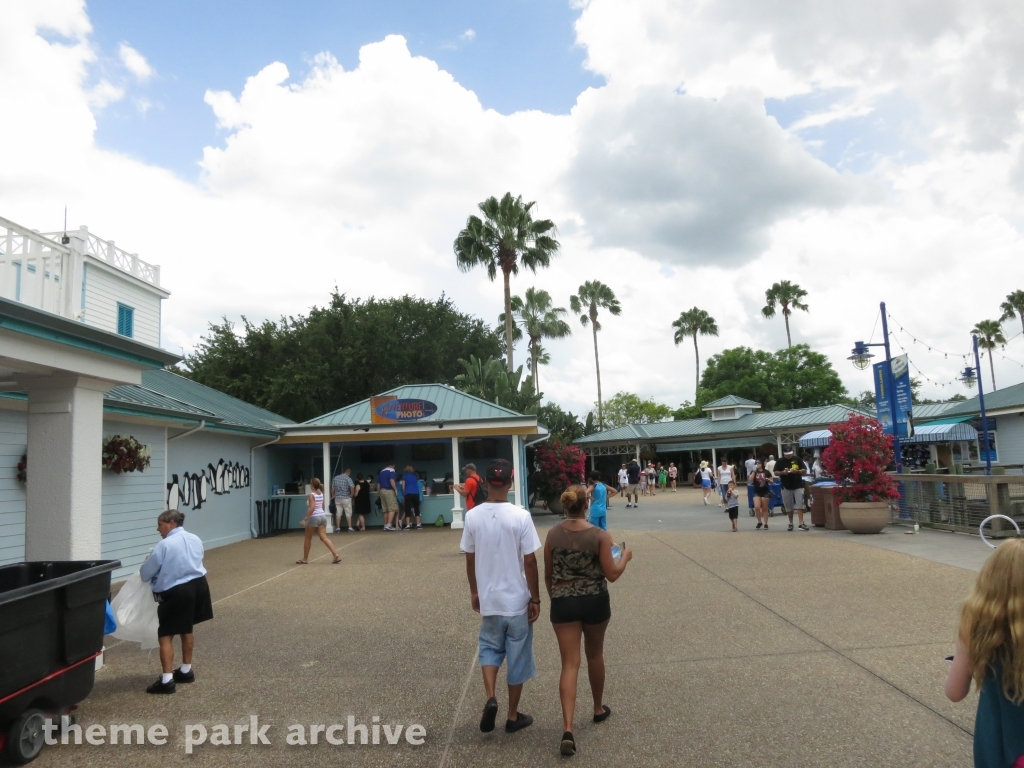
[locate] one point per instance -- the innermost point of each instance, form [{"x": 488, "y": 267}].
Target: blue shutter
[{"x": 125, "y": 320}]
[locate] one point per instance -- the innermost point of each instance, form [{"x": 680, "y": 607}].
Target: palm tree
[
  {"x": 989, "y": 333},
  {"x": 504, "y": 238},
  {"x": 691, "y": 323},
  {"x": 538, "y": 319},
  {"x": 1013, "y": 307},
  {"x": 590, "y": 297},
  {"x": 786, "y": 295}
]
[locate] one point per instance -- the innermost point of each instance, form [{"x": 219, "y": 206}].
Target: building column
[
  {"x": 520, "y": 484},
  {"x": 714, "y": 458},
  {"x": 638, "y": 454},
  {"x": 457, "y": 500},
  {"x": 63, "y": 518},
  {"x": 327, "y": 486},
  {"x": 778, "y": 446}
]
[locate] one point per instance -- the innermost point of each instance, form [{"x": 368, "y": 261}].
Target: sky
[{"x": 690, "y": 154}]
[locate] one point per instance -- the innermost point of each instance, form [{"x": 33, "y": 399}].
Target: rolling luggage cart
[{"x": 51, "y": 631}]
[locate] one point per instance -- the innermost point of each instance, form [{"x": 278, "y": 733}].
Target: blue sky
[{"x": 521, "y": 55}]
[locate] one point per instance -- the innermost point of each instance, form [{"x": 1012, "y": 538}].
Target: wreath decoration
[{"x": 123, "y": 453}]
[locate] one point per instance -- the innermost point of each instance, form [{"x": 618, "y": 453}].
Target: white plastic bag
[{"x": 135, "y": 611}]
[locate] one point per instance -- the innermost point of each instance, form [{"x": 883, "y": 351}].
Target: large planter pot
[
  {"x": 555, "y": 505},
  {"x": 864, "y": 516}
]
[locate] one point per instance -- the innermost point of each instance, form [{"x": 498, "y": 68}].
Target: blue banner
[{"x": 892, "y": 381}]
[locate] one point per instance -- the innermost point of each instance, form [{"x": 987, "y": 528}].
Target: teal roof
[
  {"x": 1009, "y": 398},
  {"x": 452, "y": 405},
  {"x": 762, "y": 421},
  {"x": 730, "y": 401},
  {"x": 932, "y": 410}
]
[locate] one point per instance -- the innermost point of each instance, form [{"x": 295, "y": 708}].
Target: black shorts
[
  {"x": 589, "y": 609},
  {"x": 412, "y": 504},
  {"x": 734, "y": 513},
  {"x": 762, "y": 494},
  {"x": 183, "y": 606}
]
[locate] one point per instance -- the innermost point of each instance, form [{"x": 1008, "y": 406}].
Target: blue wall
[{"x": 13, "y": 441}]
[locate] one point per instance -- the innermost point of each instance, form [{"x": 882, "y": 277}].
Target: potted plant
[
  {"x": 123, "y": 453},
  {"x": 558, "y": 466},
  {"x": 857, "y": 458}
]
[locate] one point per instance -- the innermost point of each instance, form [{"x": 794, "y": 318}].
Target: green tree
[
  {"x": 1013, "y": 307},
  {"x": 591, "y": 297},
  {"x": 564, "y": 426},
  {"x": 303, "y": 366},
  {"x": 628, "y": 408},
  {"x": 506, "y": 237},
  {"x": 694, "y": 322},
  {"x": 488, "y": 380},
  {"x": 786, "y": 296},
  {"x": 989, "y": 333},
  {"x": 789, "y": 378},
  {"x": 537, "y": 318}
]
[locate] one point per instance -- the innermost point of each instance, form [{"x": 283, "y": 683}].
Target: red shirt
[{"x": 471, "y": 486}]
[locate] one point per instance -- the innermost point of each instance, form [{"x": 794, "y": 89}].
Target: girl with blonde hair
[
  {"x": 316, "y": 521},
  {"x": 990, "y": 651},
  {"x": 578, "y": 564}
]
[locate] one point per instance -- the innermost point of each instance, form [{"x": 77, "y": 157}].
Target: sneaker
[
  {"x": 522, "y": 721},
  {"x": 184, "y": 677},
  {"x": 759, "y": 526},
  {"x": 490, "y": 712},
  {"x": 390, "y": 528},
  {"x": 804, "y": 527},
  {"x": 790, "y": 528},
  {"x": 161, "y": 687},
  {"x": 351, "y": 530},
  {"x": 419, "y": 527}
]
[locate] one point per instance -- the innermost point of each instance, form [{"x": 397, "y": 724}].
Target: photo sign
[
  {"x": 390, "y": 409},
  {"x": 892, "y": 379}
]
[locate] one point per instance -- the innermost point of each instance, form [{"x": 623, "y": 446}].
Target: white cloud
[
  {"x": 361, "y": 179},
  {"x": 469, "y": 35},
  {"x": 135, "y": 62}
]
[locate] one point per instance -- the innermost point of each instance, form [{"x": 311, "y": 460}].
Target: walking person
[
  {"x": 633, "y": 473},
  {"x": 732, "y": 504},
  {"x": 769, "y": 466},
  {"x": 411, "y": 489},
  {"x": 387, "y": 490},
  {"x": 749, "y": 466},
  {"x": 500, "y": 543},
  {"x": 673, "y": 475},
  {"x": 990, "y": 651},
  {"x": 361, "y": 501},
  {"x": 705, "y": 479},
  {"x": 315, "y": 521},
  {"x": 790, "y": 472},
  {"x": 724, "y": 475},
  {"x": 175, "y": 572},
  {"x": 599, "y": 493},
  {"x": 762, "y": 483},
  {"x": 624, "y": 482},
  {"x": 578, "y": 564},
  {"x": 341, "y": 494},
  {"x": 472, "y": 489}
]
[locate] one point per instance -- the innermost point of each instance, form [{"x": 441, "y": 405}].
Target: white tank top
[
  {"x": 725, "y": 474},
  {"x": 318, "y": 503}
]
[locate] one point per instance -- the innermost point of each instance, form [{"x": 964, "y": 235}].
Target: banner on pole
[{"x": 892, "y": 381}]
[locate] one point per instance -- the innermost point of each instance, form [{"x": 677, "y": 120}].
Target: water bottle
[{"x": 616, "y": 551}]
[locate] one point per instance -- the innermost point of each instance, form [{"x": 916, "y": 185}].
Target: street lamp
[
  {"x": 968, "y": 377},
  {"x": 861, "y": 358},
  {"x": 976, "y": 376}
]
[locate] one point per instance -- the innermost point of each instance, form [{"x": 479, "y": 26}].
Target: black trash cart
[{"x": 51, "y": 631}]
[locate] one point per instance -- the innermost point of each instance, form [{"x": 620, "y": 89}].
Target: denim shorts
[{"x": 511, "y": 636}]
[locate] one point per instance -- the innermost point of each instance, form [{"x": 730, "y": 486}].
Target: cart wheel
[
  {"x": 25, "y": 738},
  {"x": 751, "y": 513}
]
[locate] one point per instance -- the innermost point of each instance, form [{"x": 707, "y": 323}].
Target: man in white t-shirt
[
  {"x": 750, "y": 465},
  {"x": 504, "y": 589},
  {"x": 623, "y": 479}
]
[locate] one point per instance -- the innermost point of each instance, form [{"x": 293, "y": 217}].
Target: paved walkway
[{"x": 724, "y": 650}]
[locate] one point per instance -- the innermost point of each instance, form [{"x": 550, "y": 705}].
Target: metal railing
[{"x": 958, "y": 502}]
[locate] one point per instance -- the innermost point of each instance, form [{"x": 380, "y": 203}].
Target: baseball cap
[
  {"x": 468, "y": 467},
  {"x": 499, "y": 472},
  {"x": 787, "y": 451}
]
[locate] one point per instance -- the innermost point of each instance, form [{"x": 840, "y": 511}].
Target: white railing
[
  {"x": 34, "y": 270},
  {"x": 107, "y": 252}
]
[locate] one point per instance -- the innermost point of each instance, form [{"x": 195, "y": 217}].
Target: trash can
[
  {"x": 825, "y": 507},
  {"x": 51, "y": 630}
]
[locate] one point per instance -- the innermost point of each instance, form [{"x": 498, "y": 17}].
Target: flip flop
[
  {"x": 604, "y": 715},
  {"x": 302, "y": 562},
  {"x": 335, "y": 561},
  {"x": 568, "y": 747}
]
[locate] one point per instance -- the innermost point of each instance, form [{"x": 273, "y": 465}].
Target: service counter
[{"x": 430, "y": 507}]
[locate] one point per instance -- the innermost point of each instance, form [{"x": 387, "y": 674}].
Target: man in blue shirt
[
  {"x": 599, "y": 493},
  {"x": 175, "y": 572},
  {"x": 387, "y": 488}
]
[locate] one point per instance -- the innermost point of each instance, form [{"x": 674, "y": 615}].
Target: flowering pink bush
[
  {"x": 123, "y": 453},
  {"x": 857, "y": 458},
  {"x": 558, "y": 466}
]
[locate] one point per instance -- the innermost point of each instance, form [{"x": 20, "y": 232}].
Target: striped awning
[
  {"x": 942, "y": 433},
  {"x": 817, "y": 439}
]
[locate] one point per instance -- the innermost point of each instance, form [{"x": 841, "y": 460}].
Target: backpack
[
  {"x": 480, "y": 495},
  {"x": 439, "y": 522}
]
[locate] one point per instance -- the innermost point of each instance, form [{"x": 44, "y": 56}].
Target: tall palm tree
[
  {"x": 591, "y": 297},
  {"x": 989, "y": 333},
  {"x": 787, "y": 296},
  {"x": 506, "y": 237},
  {"x": 1013, "y": 307},
  {"x": 694, "y": 322},
  {"x": 537, "y": 318}
]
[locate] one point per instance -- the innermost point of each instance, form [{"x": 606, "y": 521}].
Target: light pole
[
  {"x": 861, "y": 358},
  {"x": 968, "y": 377}
]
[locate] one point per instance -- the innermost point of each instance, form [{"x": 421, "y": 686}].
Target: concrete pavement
[{"x": 724, "y": 649}]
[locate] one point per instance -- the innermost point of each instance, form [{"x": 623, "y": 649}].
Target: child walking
[
  {"x": 990, "y": 651},
  {"x": 732, "y": 505}
]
